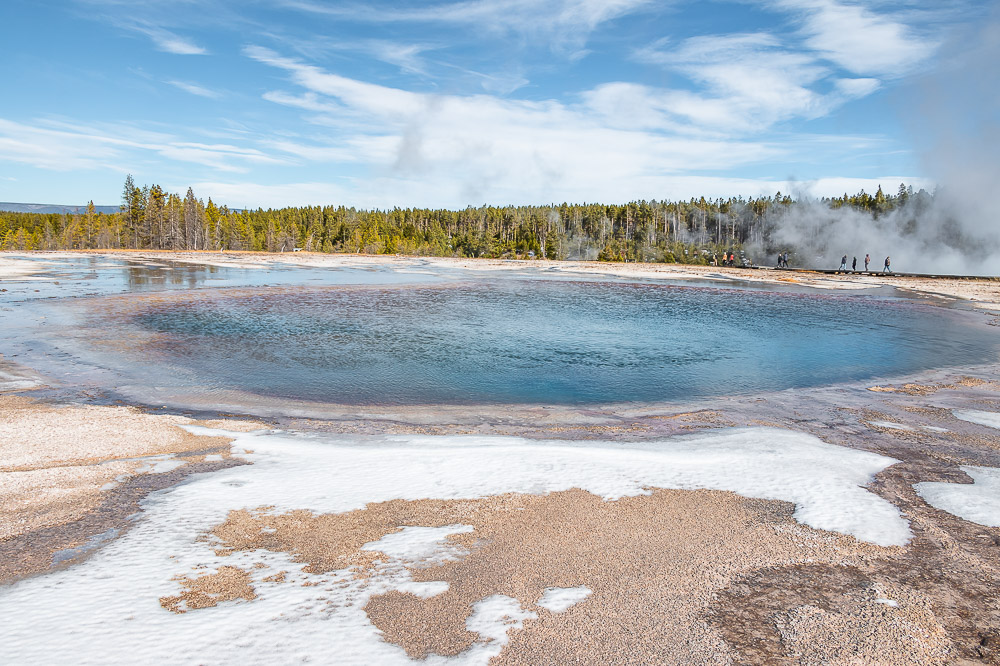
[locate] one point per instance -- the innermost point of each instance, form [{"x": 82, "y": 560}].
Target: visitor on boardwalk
[
  {"x": 886, "y": 268},
  {"x": 867, "y": 259},
  {"x": 843, "y": 263},
  {"x": 854, "y": 265},
  {"x": 785, "y": 259}
]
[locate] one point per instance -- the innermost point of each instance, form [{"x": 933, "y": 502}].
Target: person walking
[
  {"x": 784, "y": 259},
  {"x": 854, "y": 265},
  {"x": 843, "y": 264},
  {"x": 886, "y": 268},
  {"x": 867, "y": 259}
]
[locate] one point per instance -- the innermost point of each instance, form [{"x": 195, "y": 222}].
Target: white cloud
[
  {"x": 858, "y": 39},
  {"x": 224, "y": 157},
  {"x": 620, "y": 140},
  {"x": 520, "y": 15},
  {"x": 405, "y": 56},
  {"x": 858, "y": 87},
  {"x": 169, "y": 42},
  {"x": 314, "y": 152},
  {"x": 749, "y": 82},
  {"x": 365, "y": 97},
  {"x": 54, "y": 149},
  {"x": 456, "y": 150},
  {"x": 501, "y": 83},
  {"x": 308, "y": 101},
  {"x": 565, "y": 24},
  {"x": 195, "y": 89},
  {"x": 61, "y": 146}
]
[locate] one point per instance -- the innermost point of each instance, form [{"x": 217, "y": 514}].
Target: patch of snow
[
  {"x": 977, "y": 502},
  {"x": 428, "y": 545},
  {"x": 933, "y": 428},
  {"x": 559, "y": 599},
  {"x": 104, "y": 610},
  {"x": 989, "y": 419},
  {"x": 888, "y": 602},
  {"x": 424, "y": 590},
  {"x": 493, "y": 617}
]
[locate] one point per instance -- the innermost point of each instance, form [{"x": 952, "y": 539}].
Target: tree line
[{"x": 689, "y": 231}]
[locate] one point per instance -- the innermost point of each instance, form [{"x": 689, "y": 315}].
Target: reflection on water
[
  {"x": 521, "y": 341},
  {"x": 157, "y": 276}
]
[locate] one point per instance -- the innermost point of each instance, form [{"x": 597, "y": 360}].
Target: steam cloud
[{"x": 958, "y": 133}]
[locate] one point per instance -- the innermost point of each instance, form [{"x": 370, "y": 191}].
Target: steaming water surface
[{"x": 519, "y": 341}]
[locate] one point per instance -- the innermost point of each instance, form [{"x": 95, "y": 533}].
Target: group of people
[
  {"x": 854, "y": 264},
  {"x": 782, "y": 260},
  {"x": 727, "y": 259}
]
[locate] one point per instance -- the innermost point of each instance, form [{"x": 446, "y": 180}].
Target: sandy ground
[
  {"x": 61, "y": 464},
  {"x": 653, "y": 564},
  {"x": 676, "y": 576}
]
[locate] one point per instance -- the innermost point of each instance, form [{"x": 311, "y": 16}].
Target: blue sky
[{"x": 380, "y": 104}]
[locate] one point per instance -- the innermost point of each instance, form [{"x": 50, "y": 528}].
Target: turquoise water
[{"x": 535, "y": 341}]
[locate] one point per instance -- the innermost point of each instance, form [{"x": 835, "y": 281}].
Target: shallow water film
[{"x": 518, "y": 341}]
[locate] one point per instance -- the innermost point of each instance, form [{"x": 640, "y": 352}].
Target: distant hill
[{"x": 51, "y": 208}]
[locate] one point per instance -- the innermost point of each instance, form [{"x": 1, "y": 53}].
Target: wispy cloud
[
  {"x": 168, "y": 41},
  {"x": 195, "y": 89},
  {"x": 308, "y": 101},
  {"x": 364, "y": 97},
  {"x": 858, "y": 39},
  {"x": 565, "y": 24},
  {"x": 746, "y": 82},
  {"x": 478, "y": 147},
  {"x": 63, "y": 146},
  {"x": 405, "y": 56},
  {"x": 168, "y": 23},
  {"x": 618, "y": 137}
]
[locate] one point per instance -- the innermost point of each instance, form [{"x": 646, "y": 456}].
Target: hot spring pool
[{"x": 520, "y": 341}]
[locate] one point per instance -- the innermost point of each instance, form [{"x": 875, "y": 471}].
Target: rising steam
[{"x": 957, "y": 130}]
